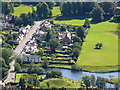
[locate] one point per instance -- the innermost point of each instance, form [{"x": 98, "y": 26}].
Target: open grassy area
[
  {"x": 108, "y": 55},
  {"x": 22, "y": 9},
  {"x": 18, "y": 76},
  {"x": 56, "y": 11}
]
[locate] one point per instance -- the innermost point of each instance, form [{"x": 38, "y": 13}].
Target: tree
[
  {"x": 100, "y": 82},
  {"x": 108, "y": 8},
  {"x": 5, "y": 8},
  {"x": 17, "y": 67},
  {"x": 50, "y": 4},
  {"x": 18, "y": 21},
  {"x": 49, "y": 36},
  {"x": 11, "y": 8},
  {"x": 54, "y": 74},
  {"x": 79, "y": 8},
  {"x": 76, "y": 39},
  {"x": 45, "y": 63},
  {"x": 88, "y": 7},
  {"x": 22, "y": 82},
  {"x": 97, "y": 14},
  {"x": 38, "y": 70},
  {"x": 19, "y": 60},
  {"x": 63, "y": 28},
  {"x": 25, "y": 19},
  {"x": 41, "y": 52},
  {"x": 45, "y": 10},
  {"x": 86, "y": 80},
  {"x": 75, "y": 52},
  {"x": 92, "y": 80},
  {"x": 64, "y": 9},
  {"x": 86, "y": 23},
  {"x": 15, "y": 36},
  {"x": 54, "y": 43},
  {"x": 81, "y": 33},
  {"x": 39, "y": 10},
  {"x": 6, "y": 54}
]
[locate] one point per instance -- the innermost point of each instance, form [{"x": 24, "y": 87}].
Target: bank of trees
[
  {"x": 91, "y": 9},
  {"x": 93, "y": 81}
]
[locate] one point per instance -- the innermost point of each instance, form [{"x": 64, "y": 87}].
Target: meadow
[
  {"x": 22, "y": 9},
  {"x": 56, "y": 11}
]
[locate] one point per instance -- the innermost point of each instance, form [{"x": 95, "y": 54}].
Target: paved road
[{"x": 19, "y": 48}]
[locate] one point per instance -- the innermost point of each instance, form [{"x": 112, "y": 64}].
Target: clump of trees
[
  {"x": 7, "y": 8},
  {"x": 98, "y": 46},
  {"x": 98, "y": 11},
  {"x": 93, "y": 81},
  {"x": 54, "y": 74},
  {"x": 29, "y": 81}
]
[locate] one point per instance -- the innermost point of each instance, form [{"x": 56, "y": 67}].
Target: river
[{"x": 76, "y": 75}]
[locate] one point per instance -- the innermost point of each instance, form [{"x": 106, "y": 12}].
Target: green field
[
  {"x": 105, "y": 59},
  {"x": 22, "y": 9},
  {"x": 56, "y": 11},
  {"x": 108, "y": 55}
]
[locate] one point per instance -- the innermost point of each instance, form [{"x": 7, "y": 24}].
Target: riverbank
[{"x": 94, "y": 69}]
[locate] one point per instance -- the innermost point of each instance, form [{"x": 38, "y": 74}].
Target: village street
[{"x": 19, "y": 48}]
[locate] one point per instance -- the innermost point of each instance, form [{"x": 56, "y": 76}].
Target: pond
[{"x": 76, "y": 75}]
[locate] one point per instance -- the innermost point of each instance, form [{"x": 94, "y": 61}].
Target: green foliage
[
  {"x": 76, "y": 39},
  {"x": 45, "y": 63},
  {"x": 81, "y": 33},
  {"x": 43, "y": 10},
  {"x": 87, "y": 23},
  {"x": 54, "y": 74},
  {"x": 92, "y": 80},
  {"x": 49, "y": 36},
  {"x": 22, "y": 83},
  {"x": 75, "y": 52},
  {"x": 41, "y": 52},
  {"x": 7, "y": 8},
  {"x": 108, "y": 7},
  {"x": 54, "y": 43},
  {"x": 100, "y": 82},
  {"x": 97, "y": 14},
  {"x": 17, "y": 67},
  {"x": 86, "y": 80},
  {"x": 6, "y": 54}
]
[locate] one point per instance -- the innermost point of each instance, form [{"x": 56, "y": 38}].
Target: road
[{"x": 19, "y": 48}]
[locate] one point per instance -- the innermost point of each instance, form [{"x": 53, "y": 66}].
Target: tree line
[{"x": 98, "y": 11}]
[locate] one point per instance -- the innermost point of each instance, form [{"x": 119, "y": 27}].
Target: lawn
[
  {"x": 56, "y": 11},
  {"x": 22, "y": 9},
  {"x": 108, "y": 55},
  {"x": 90, "y": 59},
  {"x": 18, "y": 76}
]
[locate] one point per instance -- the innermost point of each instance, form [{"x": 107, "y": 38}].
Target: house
[
  {"x": 45, "y": 25},
  {"x": 65, "y": 37},
  {"x": 30, "y": 58}
]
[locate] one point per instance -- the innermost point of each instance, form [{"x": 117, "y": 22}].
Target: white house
[{"x": 30, "y": 58}]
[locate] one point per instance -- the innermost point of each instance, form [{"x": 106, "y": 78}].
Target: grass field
[
  {"x": 22, "y": 9},
  {"x": 18, "y": 76},
  {"x": 56, "y": 11},
  {"x": 105, "y": 59},
  {"x": 108, "y": 55}
]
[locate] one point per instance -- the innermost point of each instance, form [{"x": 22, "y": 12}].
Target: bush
[{"x": 54, "y": 74}]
